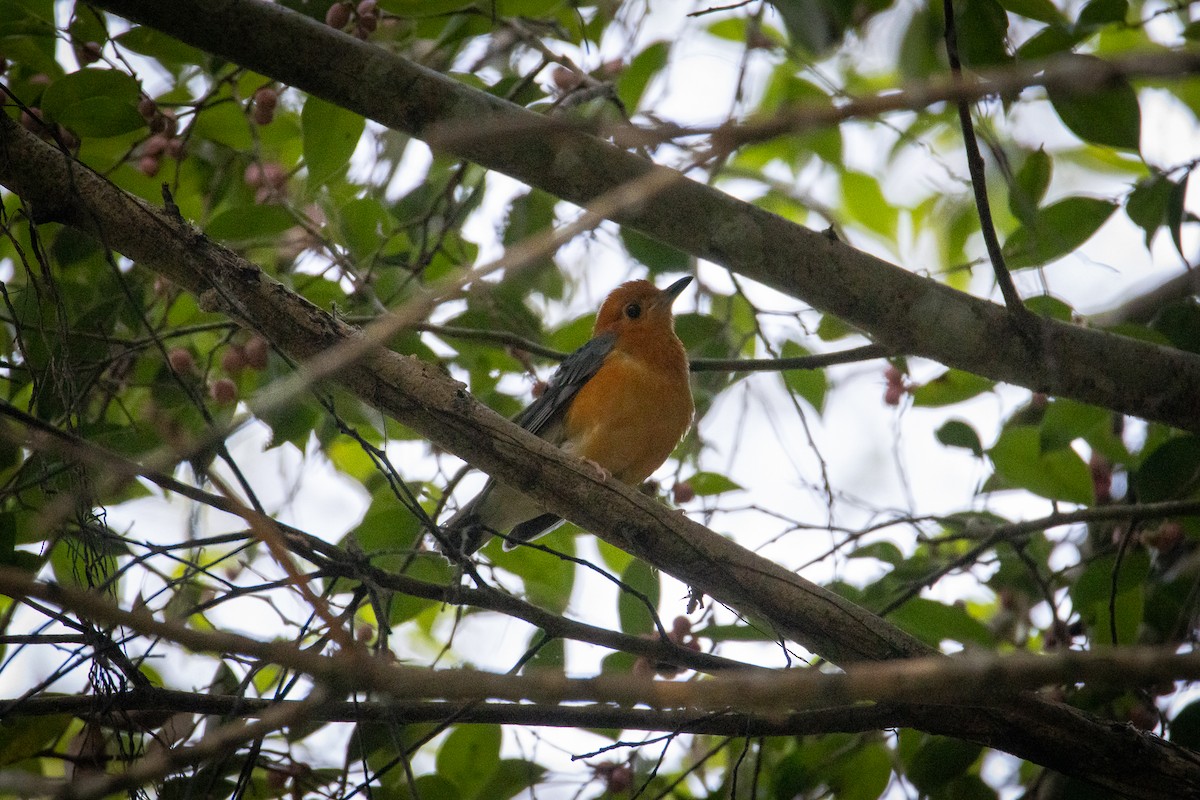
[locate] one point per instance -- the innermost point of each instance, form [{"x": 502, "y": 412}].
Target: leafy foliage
[{"x": 106, "y": 364}]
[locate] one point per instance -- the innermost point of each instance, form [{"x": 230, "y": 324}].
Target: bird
[{"x": 622, "y": 401}]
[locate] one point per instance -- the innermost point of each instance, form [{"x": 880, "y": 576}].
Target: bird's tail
[{"x": 463, "y": 533}]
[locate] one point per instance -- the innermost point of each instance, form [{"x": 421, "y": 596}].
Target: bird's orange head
[{"x": 639, "y": 309}]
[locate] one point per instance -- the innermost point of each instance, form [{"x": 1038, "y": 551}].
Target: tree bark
[
  {"x": 420, "y": 396},
  {"x": 905, "y": 313}
]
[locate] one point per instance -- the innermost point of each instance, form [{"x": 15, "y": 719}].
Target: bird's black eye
[{"x": 633, "y": 310}]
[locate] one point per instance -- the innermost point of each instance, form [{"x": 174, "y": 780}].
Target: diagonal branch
[
  {"x": 420, "y": 396},
  {"x": 899, "y": 310}
]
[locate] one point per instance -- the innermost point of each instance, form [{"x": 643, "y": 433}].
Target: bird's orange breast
[{"x": 630, "y": 415}]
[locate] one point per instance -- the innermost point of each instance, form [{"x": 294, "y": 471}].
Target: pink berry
[{"x": 223, "y": 391}]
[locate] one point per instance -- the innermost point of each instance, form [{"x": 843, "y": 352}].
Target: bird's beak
[{"x": 674, "y": 290}]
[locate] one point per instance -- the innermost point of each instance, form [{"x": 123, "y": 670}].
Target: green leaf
[
  {"x": 1185, "y": 728},
  {"x": 250, "y": 223},
  {"x": 956, "y": 433},
  {"x": 331, "y": 134},
  {"x": 169, "y": 51},
  {"x": 510, "y": 778},
  {"x": 1049, "y": 41},
  {"x": 1108, "y": 116},
  {"x": 1170, "y": 472},
  {"x": 707, "y": 484},
  {"x": 933, "y": 622},
  {"x": 1056, "y": 475},
  {"x": 1059, "y": 229},
  {"x": 811, "y": 384},
  {"x": 1095, "y": 594},
  {"x": 655, "y": 255},
  {"x": 635, "y": 616},
  {"x": 469, "y": 756},
  {"x": 952, "y": 386},
  {"x": 1041, "y": 10},
  {"x": 1176, "y": 214},
  {"x": 1029, "y": 185},
  {"x": 95, "y": 102},
  {"x": 886, "y": 552},
  {"x": 1098, "y": 13},
  {"x": 634, "y": 79},
  {"x": 939, "y": 760},
  {"x": 982, "y": 33},
  {"x": 548, "y": 579},
  {"x": 863, "y": 200},
  {"x": 863, "y": 774},
  {"x": 22, "y": 738}
]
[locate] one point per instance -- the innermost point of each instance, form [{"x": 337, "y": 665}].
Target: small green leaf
[
  {"x": 1185, "y": 728},
  {"x": 632, "y": 610},
  {"x": 469, "y": 756},
  {"x": 168, "y": 50},
  {"x": 250, "y": 223},
  {"x": 1109, "y": 116},
  {"x": 655, "y": 255},
  {"x": 1170, "y": 472},
  {"x": 939, "y": 760},
  {"x": 634, "y": 79},
  {"x": 1041, "y": 10},
  {"x": 982, "y": 33},
  {"x": 511, "y": 777},
  {"x": 331, "y": 134},
  {"x": 832, "y": 328},
  {"x": 933, "y": 622},
  {"x": 952, "y": 386},
  {"x": 94, "y": 102},
  {"x": 810, "y": 384},
  {"x": 1098, "y": 13},
  {"x": 886, "y": 552},
  {"x": 957, "y": 433},
  {"x": 1029, "y": 185},
  {"x": 707, "y": 484},
  {"x": 1059, "y": 229},
  {"x": 1049, "y": 41},
  {"x": 863, "y": 774},
  {"x": 1056, "y": 475},
  {"x": 1176, "y": 214},
  {"x": 1147, "y": 203},
  {"x": 863, "y": 199}
]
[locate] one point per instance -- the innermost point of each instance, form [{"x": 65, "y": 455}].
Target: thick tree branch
[
  {"x": 420, "y": 396},
  {"x": 899, "y": 310}
]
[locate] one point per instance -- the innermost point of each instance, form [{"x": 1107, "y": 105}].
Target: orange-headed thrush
[{"x": 621, "y": 401}]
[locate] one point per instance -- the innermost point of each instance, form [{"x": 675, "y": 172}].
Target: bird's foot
[{"x": 600, "y": 472}]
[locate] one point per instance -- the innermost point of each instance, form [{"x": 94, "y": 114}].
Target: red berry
[
  {"x": 564, "y": 79},
  {"x": 253, "y": 176},
  {"x": 181, "y": 360},
  {"x": 223, "y": 391},
  {"x": 147, "y": 108},
  {"x": 265, "y": 102},
  {"x": 32, "y": 120},
  {"x": 366, "y": 8},
  {"x": 366, "y": 24},
  {"x": 233, "y": 360},
  {"x": 338, "y": 15},
  {"x": 620, "y": 779},
  {"x": 681, "y": 627},
  {"x": 155, "y": 145},
  {"x": 256, "y": 351},
  {"x": 682, "y": 493},
  {"x": 175, "y": 148},
  {"x": 90, "y": 52},
  {"x": 892, "y": 395},
  {"x": 148, "y": 165},
  {"x": 893, "y": 375}
]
